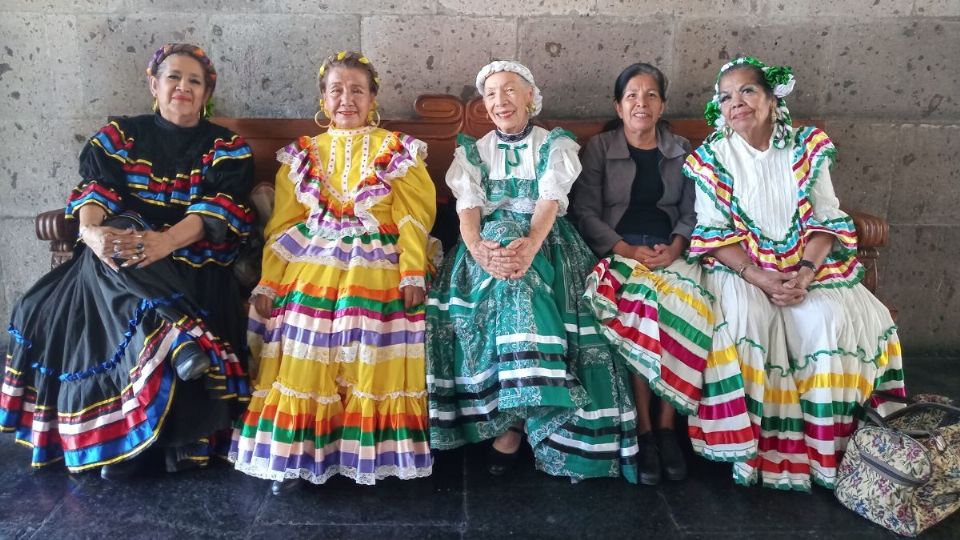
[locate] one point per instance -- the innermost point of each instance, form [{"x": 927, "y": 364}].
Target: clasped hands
[
  {"x": 782, "y": 288},
  {"x": 658, "y": 256},
  {"x": 505, "y": 262},
  {"x": 125, "y": 248}
]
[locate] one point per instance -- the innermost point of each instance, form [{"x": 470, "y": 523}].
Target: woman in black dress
[{"x": 139, "y": 338}]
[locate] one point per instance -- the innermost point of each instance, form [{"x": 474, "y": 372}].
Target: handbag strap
[{"x": 913, "y": 406}]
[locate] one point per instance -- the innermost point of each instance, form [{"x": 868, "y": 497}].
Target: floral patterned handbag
[{"x": 903, "y": 472}]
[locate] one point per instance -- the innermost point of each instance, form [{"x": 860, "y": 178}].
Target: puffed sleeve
[
  {"x": 465, "y": 175},
  {"x": 715, "y": 227},
  {"x": 227, "y": 180},
  {"x": 414, "y": 211},
  {"x": 825, "y": 214},
  {"x": 103, "y": 181},
  {"x": 562, "y": 167},
  {"x": 586, "y": 201},
  {"x": 287, "y": 211}
]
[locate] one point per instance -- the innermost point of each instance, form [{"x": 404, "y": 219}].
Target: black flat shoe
[
  {"x": 191, "y": 362},
  {"x": 286, "y": 487},
  {"x": 499, "y": 463},
  {"x": 120, "y": 471},
  {"x": 671, "y": 455},
  {"x": 648, "y": 460}
]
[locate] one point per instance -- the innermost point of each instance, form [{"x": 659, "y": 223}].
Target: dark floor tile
[
  {"x": 215, "y": 502},
  {"x": 435, "y": 501},
  {"x": 932, "y": 375},
  {"x": 28, "y": 496},
  {"x": 378, "y": 532},
  {"x": 531, "y": 504}
]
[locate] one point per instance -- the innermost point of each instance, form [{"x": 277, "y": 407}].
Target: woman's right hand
[
  {"x": 263, "y": 304},
  {"x": 494, "y": 259},
  {"x": 99, "y": 239},
  {"x": 773, "y": 284}
]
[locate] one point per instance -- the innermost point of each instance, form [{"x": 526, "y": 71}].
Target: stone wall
[{"x": 883, "y": 74}]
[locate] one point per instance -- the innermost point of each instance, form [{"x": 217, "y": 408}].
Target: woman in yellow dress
[{"x": 337, "y": 319}]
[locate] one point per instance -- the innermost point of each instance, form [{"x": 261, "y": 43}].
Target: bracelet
[
  {"x": 808, "y": 264},
  {"x": 743, "y": 268}
]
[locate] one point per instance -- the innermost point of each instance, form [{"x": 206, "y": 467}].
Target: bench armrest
[
  {"x": 53, "y": 226},
  {"x": 873, "y": 232}
]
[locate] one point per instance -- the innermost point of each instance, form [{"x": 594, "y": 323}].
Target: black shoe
[
  {"x": 121, "y": 470},
  {"x": 286, "y": 487},
  {"x": 191, "y": 362},
  {"x": 671, "y": 455},
  {"x": 648, "y": 460},
  {"x": 499, "y": 463}
]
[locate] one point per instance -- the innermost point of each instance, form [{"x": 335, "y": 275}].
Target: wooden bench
[{"x": 439, "y": 119}]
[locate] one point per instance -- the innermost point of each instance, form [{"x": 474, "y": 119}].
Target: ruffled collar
[
  {"x": 514, "y": 137},
  {"x": 337, "y": 132}
]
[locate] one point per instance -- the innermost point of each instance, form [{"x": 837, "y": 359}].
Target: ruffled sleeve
[
  {"x": 287, "y": 212},
  {"x": 227, "y": 180},
  {"x": 465, "y": 175},
  {"x": 560, "y": 167},
  {"x": 101, "y": 170},
  {"x": 821, "y": 209},
  {"x": 715, "y": 227},
  {"x": 414, "y": 209}
]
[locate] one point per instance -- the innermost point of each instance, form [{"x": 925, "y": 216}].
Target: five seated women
[{"x": 760, "y": 332}]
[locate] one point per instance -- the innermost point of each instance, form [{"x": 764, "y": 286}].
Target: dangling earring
[
  {"x": 316, "y": 117},
  {"x": 374, "y": 113},
  {"x": 155, "y": 105}
]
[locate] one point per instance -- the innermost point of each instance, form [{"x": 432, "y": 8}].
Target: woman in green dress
[{"x": 512, "y": 349}]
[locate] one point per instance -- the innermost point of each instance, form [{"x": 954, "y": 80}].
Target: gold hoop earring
[
  {"x": 370, "y": 118},
  {"x": 316, "y": 120}
]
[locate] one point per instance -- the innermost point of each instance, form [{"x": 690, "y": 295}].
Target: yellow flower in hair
[
  {"x": 323, "y": 68},
  {"x": 364, "y": 60},
  {"x": 341, "y": 55}
]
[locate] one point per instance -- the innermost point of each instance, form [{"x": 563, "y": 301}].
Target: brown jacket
[{"x": 601, "y": 194}]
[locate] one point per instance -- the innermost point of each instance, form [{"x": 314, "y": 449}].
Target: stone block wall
[{"x": 883, "y": 74}]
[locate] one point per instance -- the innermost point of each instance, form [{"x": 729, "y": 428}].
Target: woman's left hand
[
  {"x": 525, "y": 249},
  {"x": 144, "y": 248},
  {"x": 665, "y": 255},
  {"x": 802, "y": 280},
  {"x": 413, "y": 296}
]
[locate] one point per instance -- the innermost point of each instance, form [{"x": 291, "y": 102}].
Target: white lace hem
[
  {"x": 336, "y": 398},
  {"x": 265, "y": 291},
  {"x": 260, "y": 469},
  {"x": 413, "y": 221}
]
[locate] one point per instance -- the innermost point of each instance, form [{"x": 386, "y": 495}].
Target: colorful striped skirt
[
  {"x": 663, "y": 325},
  {"x": 527, "y": 351},
  {"x": 807, "y": 370},
  {"x": 340, "y": 387}
]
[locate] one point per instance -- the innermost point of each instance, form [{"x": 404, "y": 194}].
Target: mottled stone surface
[
  {"x": 418, "y": 55},
  {"x": 24, "y": 258},
  {"x": 704, "y": 45},
  {"x": 930, "y": 8},
  {"x": 904, "y": 69},
  {"x": 513, "y": 7},
  {"x": 772, "y": 9},
  {"x": 276, "y": 81},
  {"x": 926, "y": 179},
  {"x": 921, "y": 278},
  {"x": 862, "y": 174},
  {"x": 577, "y": 61},
  {"x": 680, "y": 8},
  {"x": 113, "y": 54}
]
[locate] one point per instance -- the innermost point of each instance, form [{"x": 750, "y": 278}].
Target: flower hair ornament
[
  {"x": 513, "y": 67},
  {"x": 339, "y": 56},
  {"x": 780, "y": 78}
]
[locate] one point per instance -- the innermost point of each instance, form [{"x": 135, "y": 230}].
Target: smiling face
[
  {"x": 507, "y": 97},
  {"x": 641, "y": 106},
  {"x": 347, "y": 97},
  {"x": 746, "y": 105},
  {"x": 180, "y": 89}
]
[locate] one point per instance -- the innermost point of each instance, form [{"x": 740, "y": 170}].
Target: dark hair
[
  {"x": 631, "y": 71},
  {"x": 348, "y": 59},
  {"x": 640, "y": 68},
  {"x": 757, "y": 75}
]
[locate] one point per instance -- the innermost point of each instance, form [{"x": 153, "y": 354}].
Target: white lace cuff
[
  {"x": 413, "y": 281},
  {"x": 266, "y": 291},
  {"x": 556, "y": 195}
]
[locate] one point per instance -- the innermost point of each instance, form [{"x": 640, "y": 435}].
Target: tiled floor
[{"x": 459, "y": 501}]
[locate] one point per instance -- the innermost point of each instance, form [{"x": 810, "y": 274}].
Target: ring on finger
[{"x": 140, "y": 246}]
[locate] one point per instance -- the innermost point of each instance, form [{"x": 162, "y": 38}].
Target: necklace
[{"x": 514, "y": 137}]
